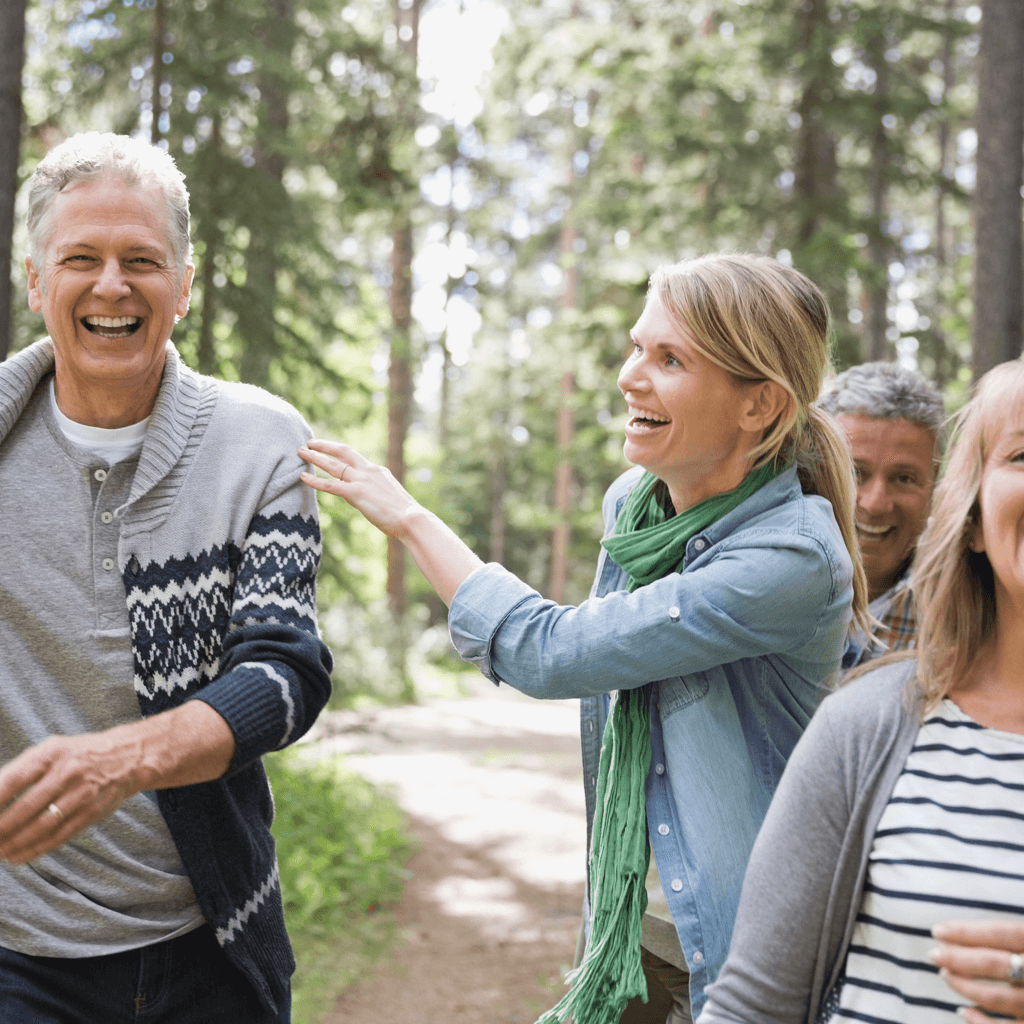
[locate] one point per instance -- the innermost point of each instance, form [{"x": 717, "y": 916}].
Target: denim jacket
[{"x": 740, "y": 647}]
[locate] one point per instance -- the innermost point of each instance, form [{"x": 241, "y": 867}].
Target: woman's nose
[{"x": 632, "y": 376}]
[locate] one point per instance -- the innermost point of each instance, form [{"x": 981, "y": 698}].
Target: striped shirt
[{"x": 949, "y": 845}]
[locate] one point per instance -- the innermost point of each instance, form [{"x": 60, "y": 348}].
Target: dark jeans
[{"x": 187, "y": 980}]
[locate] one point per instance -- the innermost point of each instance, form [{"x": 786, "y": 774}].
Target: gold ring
[
  {"x": 344, "y": 470},
  {"x": 56, "y": 812}
]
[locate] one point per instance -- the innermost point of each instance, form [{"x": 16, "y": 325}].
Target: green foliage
[{"x": 341, "y": 847}]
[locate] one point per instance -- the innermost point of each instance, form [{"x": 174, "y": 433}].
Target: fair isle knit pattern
[{"x": 218, "y": 551}]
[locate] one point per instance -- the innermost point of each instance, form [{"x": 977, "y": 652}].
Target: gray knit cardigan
[{"x": 218, "y": 550}]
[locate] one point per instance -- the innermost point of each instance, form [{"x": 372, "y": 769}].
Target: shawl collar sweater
[{"x": 218, "y": 551}]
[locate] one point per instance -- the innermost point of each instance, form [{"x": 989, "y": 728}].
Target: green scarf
[{"x": 648, "y": 544}]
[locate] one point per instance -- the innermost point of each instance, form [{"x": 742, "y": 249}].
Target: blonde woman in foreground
[
  {"x": 717, "y": 619},
  {"x": 900, "y": 818}
]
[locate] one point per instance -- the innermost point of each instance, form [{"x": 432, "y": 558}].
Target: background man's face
[
  {"x": 895, "y": 464},
  {"x": 109, "y": 288}
]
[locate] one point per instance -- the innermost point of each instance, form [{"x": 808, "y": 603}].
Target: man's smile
[{"x": 112, "y": 326}]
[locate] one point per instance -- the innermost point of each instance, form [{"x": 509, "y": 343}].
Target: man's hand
[
  {"x": 67, "y": 783},
  {"x": 975, "y": 958}
]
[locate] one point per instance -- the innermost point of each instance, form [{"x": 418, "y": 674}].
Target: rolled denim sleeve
[{"x": 766, "y": 592}]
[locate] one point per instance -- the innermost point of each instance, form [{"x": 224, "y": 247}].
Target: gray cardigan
[{"x": 802, "y": 889}]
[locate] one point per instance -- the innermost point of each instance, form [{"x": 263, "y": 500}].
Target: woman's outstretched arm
[{"x": 442, "y": 557}]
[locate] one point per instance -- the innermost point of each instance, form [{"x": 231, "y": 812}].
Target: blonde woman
[
  {"x": 717, "y": 619},
  {"x": 900, "y": 818}
]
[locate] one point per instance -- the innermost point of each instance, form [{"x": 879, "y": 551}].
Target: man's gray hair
[
  {"x": 93, "y": 155},
  {"x": 885, "y": 391}
]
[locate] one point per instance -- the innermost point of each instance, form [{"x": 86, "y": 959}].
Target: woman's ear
[{"x": 768, "y": 400}]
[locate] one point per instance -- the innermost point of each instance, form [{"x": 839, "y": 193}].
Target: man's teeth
[
  {"x": 873, "y": 531},
  {"x": 112, "y": 321}
]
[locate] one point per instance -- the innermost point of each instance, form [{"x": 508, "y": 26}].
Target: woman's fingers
[
  {"x": 980, "y": 959},
  {"x": 367, "y": 487}
]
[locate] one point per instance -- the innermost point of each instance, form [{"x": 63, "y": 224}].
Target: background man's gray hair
[
  {"x": 93, "y": 155},
  {"x": 885, "y": 391}
]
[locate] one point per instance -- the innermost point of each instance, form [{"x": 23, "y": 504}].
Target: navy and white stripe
[{"x": 949, "y": 845}]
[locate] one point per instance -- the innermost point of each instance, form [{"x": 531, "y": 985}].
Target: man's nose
[
  {"x": 873, "y": 495},
  {"x": 111, "y": 282}
]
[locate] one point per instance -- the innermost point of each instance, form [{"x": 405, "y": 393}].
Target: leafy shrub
[
  {"x": 341, "y": 847},
  {"x": 341, "y": 844}
]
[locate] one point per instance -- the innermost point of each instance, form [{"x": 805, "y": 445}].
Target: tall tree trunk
[
  {"x": 879, "y": 247},
  {"x": 566, "y": 425},
  {"x": 257, "y": 322},
  {"x": 943, "y": 368},
  {"x": 998, "y": 295},
  {"x": 407, "y": 19},
  {"x": 159, "y": 44},
  {"x": 816, "y": 168},
  {"x": 12, "y": 58},
  {"x": 206, "y": 355}
]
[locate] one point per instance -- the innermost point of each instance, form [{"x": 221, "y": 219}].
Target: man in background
[{"x": 893, "y": 420}]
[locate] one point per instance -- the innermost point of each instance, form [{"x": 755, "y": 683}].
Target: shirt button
[
  {"x": 100, "y": 474},
  {"x": 663, "y": 830},
  {"x": 590, "y": 726},
  {"x": 659, "y": 769},
  {"x": 700, "y": 545},
  {"x": 673, "y": 613},
  {"x": 107, "y": 517},
  {"x": 698, "y": 957},
  {"x": 108, "y": 564},
  {"x": 677, "y": 885}
]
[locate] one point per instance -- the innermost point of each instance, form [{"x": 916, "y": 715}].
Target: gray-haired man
[
  {"x": 157, "y": 626},
  {"x": 893, "y": 420}
]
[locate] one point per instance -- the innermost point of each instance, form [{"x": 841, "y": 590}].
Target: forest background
[
  {"x": 448, "y": 280},
  {"x": 444, "y": 272}
]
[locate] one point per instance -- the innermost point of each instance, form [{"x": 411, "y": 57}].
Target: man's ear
[
  {"x": 186, "y": 290},
  {"x": 767, "y": 401},
  {"x": 35, "y": 287}
]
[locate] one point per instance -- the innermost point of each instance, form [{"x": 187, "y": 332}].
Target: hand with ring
[{"x": 984, "y": 962}]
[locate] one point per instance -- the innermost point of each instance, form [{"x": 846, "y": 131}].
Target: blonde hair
[
  {"x": 953, "y": 586},
  {"x": 761, "y": 321}
]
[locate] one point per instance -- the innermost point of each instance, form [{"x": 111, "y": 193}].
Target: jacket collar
[{"x": 171, "y": 422}]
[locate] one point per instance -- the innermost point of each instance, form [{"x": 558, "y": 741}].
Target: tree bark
[
  {"x": 159, "y": 32},
  {"x": 407, "y": 16},
  {"x": 879, "y": 247},
  {"x": 257, "y": 323},
  {"x": 12, "y": 59},
  {"x": 998, "y": 289}
]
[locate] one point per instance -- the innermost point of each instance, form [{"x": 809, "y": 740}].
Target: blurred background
[{"x": 429, "y": 224}]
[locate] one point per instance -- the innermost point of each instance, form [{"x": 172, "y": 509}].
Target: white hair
[{"x": 93, "y": 155}]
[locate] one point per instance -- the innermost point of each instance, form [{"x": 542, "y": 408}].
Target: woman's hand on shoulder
[
  {"x": 980, "y": 960},
  {"x": 367, "y": 487}
]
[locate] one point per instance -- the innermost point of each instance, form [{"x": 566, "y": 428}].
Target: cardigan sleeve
[
  {"x": 274, "y": 673},
  {"x": 802, "y": 887}
]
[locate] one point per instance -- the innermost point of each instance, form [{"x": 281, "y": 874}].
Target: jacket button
[
  {"x": 663, "y": 830},
  {"x": 659, "y": 769},
  {"x": 673, "y": 613},
  {"x": 698, "y": 957},
  {"x": 700, "y": 544},
  {"x": 677, "y": 885}
]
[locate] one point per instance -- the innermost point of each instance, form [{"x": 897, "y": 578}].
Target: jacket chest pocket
[{"x": 679, "y": 691}]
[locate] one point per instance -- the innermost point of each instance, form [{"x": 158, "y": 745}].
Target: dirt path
[{"x": 489, "y": 919}]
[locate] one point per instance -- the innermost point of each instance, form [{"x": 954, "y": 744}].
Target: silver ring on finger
[
  {"x": 59, "y": 814},
  {"x": 1015, "y": 970}
]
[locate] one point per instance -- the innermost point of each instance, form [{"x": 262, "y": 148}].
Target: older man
[
  {"x": 157, "y": 626},
  {"x": 893, "y": 420}
]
